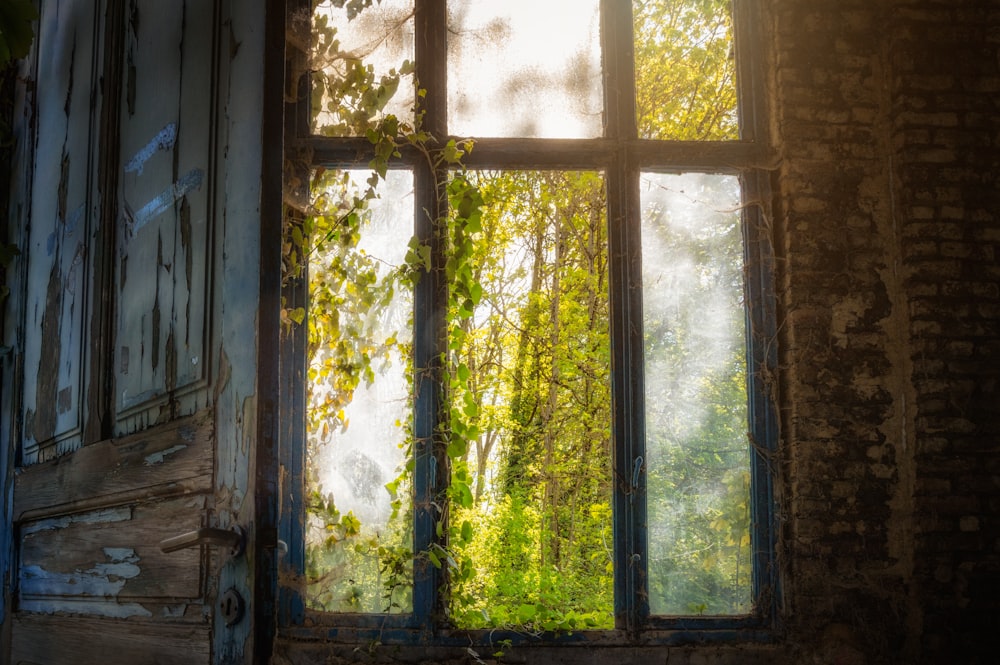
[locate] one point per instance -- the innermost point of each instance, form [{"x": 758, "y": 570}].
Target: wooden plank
[
  {"x": 530, "y": 153},
  {"x": 109, "y": 558},
  {"x": 173, "y": 459},
  {"x": 236, "y": 317},
  {"x": 59, "y": 640}
]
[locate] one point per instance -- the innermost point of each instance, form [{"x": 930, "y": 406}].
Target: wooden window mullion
[
  {"x": 628, "y": 440},
  {"x": 430, "y": 298}
]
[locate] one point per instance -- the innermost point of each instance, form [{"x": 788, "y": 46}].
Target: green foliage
[
  {"x": 697, "y": 453},
  {"x": 8, "y": 253},
  {"x": 530, "y": 365},
  {"x": 352, "y": 344},
  {"x": 348, "y": 95},
  {"x": 353, "y": 7},
  {"x": 352, "y": 567},
  {"x": 685, "y": 69},
  {"x": 525, "y": 532},
  {"x": 16, "y": 33},
  {"x": 346, "y": 566}
]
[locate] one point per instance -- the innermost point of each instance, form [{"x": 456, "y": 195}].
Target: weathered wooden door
[{"x": 129, "y": 394}]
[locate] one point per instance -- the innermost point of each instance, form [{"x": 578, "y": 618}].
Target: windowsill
[
  {"x": 665, "y": 631},
  {"x": 306, "y": 646}
]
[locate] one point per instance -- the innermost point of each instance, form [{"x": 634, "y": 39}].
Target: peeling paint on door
[
  {"x": 62, "y": 209},
  {"x": 129, "y": 283},
  {"x": 106, "y": 516},
  {"x": 157, "y": 458},
  {"x": 165, "y": 200},
  {"x": 167, "y": 189},
  {"x": 163, "y": 141},
  {"x": 109, "y": 562},
  {"x": 104, "y": 580}
]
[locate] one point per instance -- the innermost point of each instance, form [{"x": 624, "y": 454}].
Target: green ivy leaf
[
  {"x": 464, "y": 498},
  {"x": 457, "y": 446},
  {"x": 7, "y": 253},
  {"x": 16, "y": 33}
]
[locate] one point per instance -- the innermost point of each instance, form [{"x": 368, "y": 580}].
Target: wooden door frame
[{"x": 266, "y": 480}]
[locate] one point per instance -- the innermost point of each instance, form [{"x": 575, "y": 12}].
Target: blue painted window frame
[{"x": 621, "y": 156}]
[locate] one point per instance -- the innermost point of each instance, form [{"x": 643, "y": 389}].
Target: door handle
[{"x": 233, "y": 538}]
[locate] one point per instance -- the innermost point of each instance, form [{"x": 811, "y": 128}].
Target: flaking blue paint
[
  {"x": 105, "y": 580},
  {"x": 105, "y": 516},
  {"x": 67, "y": 229},
  {"x": 164, "y": 140},
  {"x": 161, "y": 203},
  {"x": 158, "y": 457}
]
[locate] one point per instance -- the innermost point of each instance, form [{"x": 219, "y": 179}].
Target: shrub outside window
[{"x": 528, "y": 321}]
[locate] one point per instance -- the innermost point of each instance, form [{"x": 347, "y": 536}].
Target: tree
[
  {"x": 529, "y": 532},
  {"x": 685, "y": 69},
  {"x": 540, "y": 342},
  {"x": 697, "y": 451}
]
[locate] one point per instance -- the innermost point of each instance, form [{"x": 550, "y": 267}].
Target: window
[{"x": 528, "y": 321}]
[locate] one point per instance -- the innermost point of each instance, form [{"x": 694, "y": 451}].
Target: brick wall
[
  {"x": 887, "y": 217},
  {"x": 947, "y": 137}
]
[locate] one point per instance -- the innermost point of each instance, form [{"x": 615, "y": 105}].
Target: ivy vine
[{"x": 558, "y": 336}]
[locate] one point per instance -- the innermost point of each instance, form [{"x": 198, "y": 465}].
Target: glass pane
[
  {"x": 532, "y": 390},
  {"x": 360, "y": 65},
  {"x": 685, "y": 70},
  {"x": 529, "y": 68},
  {"x": 359, "y": 538},
  {"x": 696, "y": 404}
]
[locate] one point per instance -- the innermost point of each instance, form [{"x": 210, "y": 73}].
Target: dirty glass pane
[
  {"x": 685, "y": 70},
  {"x": 696, "y": 404},
  {"x": 360, "y": 65},
  {"x": 359, "y": 536},
  {"x": 527, "y": 68},
  {"x": 531, "y": 512}
]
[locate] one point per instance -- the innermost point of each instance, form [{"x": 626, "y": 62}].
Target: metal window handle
[{"x": 233, "y": 538}]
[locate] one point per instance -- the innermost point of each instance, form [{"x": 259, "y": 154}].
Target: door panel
[
  {"x": 75, "y": 643},
  {"x": 103, "y": 569},
  {"x": 164, "y": 245},
  {"x": 175, "y": 459},
  {"x": 62, "y": 206},
  {"x": 88, "y": 529},
  {"x": 130, "y": 415}
]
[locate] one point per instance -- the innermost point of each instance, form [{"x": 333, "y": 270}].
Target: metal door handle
[{"x": 233, "y": 538}]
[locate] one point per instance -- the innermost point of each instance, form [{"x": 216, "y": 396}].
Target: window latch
[
  {"x": 636, "y": 469},
  {"x": 233, "y": 538}
]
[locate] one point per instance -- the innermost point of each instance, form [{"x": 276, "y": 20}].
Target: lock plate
[{"x": 231, "y": 606}]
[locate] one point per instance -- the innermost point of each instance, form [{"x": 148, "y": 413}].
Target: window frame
[{"x": 621, "y": 156}]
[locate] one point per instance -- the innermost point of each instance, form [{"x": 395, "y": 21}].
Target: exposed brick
[{"x": 902, "y": 97}]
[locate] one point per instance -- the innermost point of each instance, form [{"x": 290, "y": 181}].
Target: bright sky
[
  {"x": 517, "y": 67},
  {"x": 525, "y": 68},
  {"x": 367, "y": 454}
]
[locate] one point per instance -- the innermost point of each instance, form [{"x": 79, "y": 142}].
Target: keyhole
[{"x": 231, "y": 606}]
